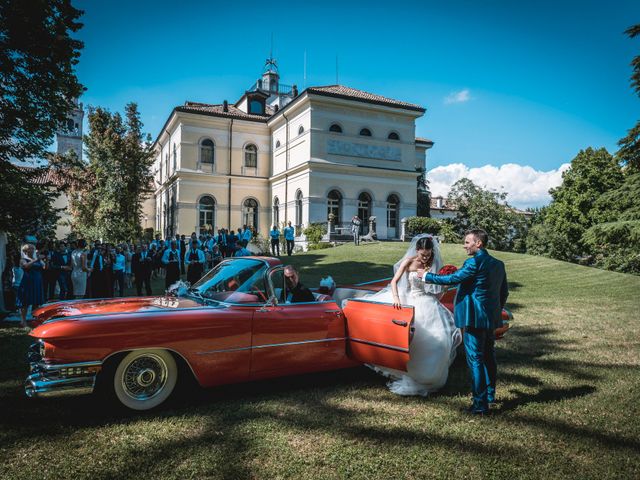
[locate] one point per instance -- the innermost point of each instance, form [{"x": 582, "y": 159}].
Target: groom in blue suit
[{"x": 482, "y": 293}]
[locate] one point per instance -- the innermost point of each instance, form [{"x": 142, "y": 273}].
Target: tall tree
[
  {"x": 37, "y": 84},
  {"x": 615, "y": 237},
  {"x": 629, "y": 152},
  {"x": 573, "y": 210},
  {"x": 480, "y": 208},
  {"x": 106, "y": 199}
]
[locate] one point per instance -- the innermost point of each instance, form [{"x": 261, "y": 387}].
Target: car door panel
[
  {"x": 297, "y": 338},
  {"x": 378, "y": 333}
]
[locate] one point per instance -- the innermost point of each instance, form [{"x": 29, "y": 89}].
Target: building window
[
  {"x": 365, "y": 132},
  {"x": 393, "y": 136},
  {"x": 166, "y": 160},
  {"x": 276, "y": 211},
  {"x": 175, "y": 157},
  {"x": 277, "y": 143},
  {"x": 300, "y": 130},
  {"x": 251, "y": 156},
  {"x": 364, "y": 210},
  {"x": 298, "y": 208},
  {"x": 207, "y": 151},
  {"x": 250, "y": 213},
  {"x": 393, "y": 207},
  {"x": 334, "y": 206},
  {"x": 335, "y": 128},
  {"x": 256, "y": 107},
  {"x": 206, "y": 213}
]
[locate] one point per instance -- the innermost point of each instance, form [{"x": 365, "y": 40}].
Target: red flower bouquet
[{"x": 447, "y": 270}]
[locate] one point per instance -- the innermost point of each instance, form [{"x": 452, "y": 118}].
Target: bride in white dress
[{"x": 433, "y": 347}]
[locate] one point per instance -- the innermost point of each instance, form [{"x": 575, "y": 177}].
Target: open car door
[{"x": 378, "y": 333}]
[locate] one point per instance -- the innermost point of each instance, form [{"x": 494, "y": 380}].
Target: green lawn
[{"x": 568, "y": 391}]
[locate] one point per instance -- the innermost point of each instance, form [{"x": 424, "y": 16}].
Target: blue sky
[{"x": 525, "y": 83}]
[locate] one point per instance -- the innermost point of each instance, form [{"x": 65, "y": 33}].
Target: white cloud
[
  {"x": 458, "y": 97},
  {"x": 526, "y": 186}
]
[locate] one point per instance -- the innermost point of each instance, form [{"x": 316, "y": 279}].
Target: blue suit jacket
[{"x": 482, "y": 292}]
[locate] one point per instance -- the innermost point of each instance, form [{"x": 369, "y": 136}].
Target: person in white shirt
[
  {"x": 242, "y": 250},
  {"x": 118, "y": 270},
  {"x": 246, "y": 234},
  {"x": 289, "y": 236},
  {"x": 275, "y": 241}
]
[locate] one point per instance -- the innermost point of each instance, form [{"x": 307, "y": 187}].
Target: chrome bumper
[{"x": 48, "y": 380}]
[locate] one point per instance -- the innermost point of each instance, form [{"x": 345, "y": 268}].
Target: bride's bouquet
[{"x": 447, "y": 270}]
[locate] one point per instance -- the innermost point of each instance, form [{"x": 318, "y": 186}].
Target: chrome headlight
[{"x": 35, "y": 353}]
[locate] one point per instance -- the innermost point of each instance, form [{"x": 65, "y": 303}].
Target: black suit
[
  {"x": 59, "y": 260},
  {"x": 141, "y": 269}
]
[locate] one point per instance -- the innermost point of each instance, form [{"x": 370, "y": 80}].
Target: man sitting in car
[{"x": 296, "y": 291}]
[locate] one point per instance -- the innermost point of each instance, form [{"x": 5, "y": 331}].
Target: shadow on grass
[{"x": 306, "y": 404}]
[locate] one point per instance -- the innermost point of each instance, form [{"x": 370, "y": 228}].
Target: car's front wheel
[{"x": 145, "y": 378}]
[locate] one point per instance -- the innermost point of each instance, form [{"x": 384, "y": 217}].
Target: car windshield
[{"x": 237, "y": 280}]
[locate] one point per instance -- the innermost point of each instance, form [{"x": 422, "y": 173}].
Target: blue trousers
[{"x": 481, "y": 359}]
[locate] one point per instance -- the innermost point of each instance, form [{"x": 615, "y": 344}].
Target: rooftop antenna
[{"x": 271, "y": 65}]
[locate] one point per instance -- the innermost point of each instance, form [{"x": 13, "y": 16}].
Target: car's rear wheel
[{"x": 145, "y": 378}]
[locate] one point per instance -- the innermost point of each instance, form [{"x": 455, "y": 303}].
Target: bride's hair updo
[{"x": 425, "y": 243}]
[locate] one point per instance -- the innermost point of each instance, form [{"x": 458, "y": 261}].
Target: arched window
[
  {"x": 393, "y": 210},
  {"x": 207, "y": 151},
  {"x": 206, "y": 213},
  {"x": 365, "y": 132},
  {"x": 276, "y": 211},
  {"x": 364, "y": 210},
  {"x": 298, "y": 208},
  {"x": 250, "y": 213},
  {"x": 335, "y": 128},
  {"x": 277, "y": 143},
  {"x": 334, "y": 205},
  {"x": 251, "y": 156},
  {"x": 393, "y": 136},
  {"x": 300, "y": 130},
  {"x": 69, "y": 124}
]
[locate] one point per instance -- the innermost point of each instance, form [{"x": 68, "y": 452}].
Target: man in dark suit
[
  {"x": 61, "y": 263},
  {"x": 482, "y": 293},
  {"x": 142, "y": 266},
  {"x": 296, "y": 291}
]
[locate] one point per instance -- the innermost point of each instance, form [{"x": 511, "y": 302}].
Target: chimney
[
  {"x": 294, "y": 91},
  {"x": 225, "y": 106}
]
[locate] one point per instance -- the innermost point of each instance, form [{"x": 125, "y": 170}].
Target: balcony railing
[{"x": 279, "y": 89}]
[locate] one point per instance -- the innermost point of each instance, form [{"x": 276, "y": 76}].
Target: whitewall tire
[{"x": 145, "y": 378}]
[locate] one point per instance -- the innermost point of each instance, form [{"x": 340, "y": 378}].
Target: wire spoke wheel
[{"x": 145, "y": 378}]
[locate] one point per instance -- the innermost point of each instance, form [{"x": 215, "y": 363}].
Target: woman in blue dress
[{"x": 30, "y": 291}]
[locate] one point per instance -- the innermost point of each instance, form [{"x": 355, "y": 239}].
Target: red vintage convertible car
[{"x": 233, "y": 325}]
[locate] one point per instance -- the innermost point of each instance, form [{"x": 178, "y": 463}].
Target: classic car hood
[{"x": 110, "y": 306}]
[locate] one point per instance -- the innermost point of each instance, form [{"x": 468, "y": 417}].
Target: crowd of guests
[{"x": 75, "y": 269}]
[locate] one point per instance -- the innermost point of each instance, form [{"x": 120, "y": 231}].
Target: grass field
[{"x": 568, "y": 401}]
